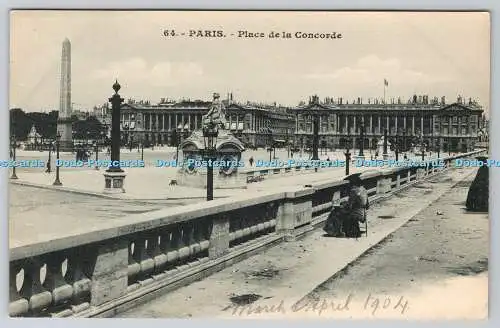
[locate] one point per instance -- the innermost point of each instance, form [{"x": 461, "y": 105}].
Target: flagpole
[{"x": 385, "y": 86}]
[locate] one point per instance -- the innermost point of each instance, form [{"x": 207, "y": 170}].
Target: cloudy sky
[{"x": 424, "y": 53}]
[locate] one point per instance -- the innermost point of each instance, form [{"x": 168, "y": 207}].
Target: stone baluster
[
  {"x": 39, "y": 298},
  {"x": 18, "y": 304},
  {"x": 62, "y": 292}
]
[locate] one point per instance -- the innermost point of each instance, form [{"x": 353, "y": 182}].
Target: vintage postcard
[{"x": 249, "y": 164}]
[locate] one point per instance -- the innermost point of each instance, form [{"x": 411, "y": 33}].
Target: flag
[{"x": 386, "y": 83}]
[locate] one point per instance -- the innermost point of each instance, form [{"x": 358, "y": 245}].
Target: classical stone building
[
  {"x": 261, "y": 125},
  {"x": 451, "y": 126},
  {"x": 433, "y": 122},
  {"x": 254, "y": 125}
]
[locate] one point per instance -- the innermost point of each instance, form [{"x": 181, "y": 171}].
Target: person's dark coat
[{"x": 478, "y": 196}]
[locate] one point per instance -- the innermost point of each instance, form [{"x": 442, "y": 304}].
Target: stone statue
[{"x": 216, "y": 114}]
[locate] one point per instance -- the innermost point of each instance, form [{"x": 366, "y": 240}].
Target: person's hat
[{"x": 354, "y": 178}]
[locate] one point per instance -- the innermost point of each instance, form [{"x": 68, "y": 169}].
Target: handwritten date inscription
[{"x": 371, "y": 304}]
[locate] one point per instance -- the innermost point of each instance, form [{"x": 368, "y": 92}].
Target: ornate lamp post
[
  {"x": 210, "y": 133},
  {"x": 385, "y": 155},
  {"x": 315, "y": 141},
  {"x": 96, "y": 149},
  {"x": 404, "y": 141},
  {"x": 439, "y": 147},
  {"x": 270, "y": 141},
  {"x": 362, "y": 141},
  {"x": 287, "y": 143},
  {"x": 14, "y": 146},
  {"x": 176, "y": 143},
  {"x": 396, "y": 148},
  {"x": 57, "y": 182},
  {"x": 422, "y": 145},
  {"x": 114, "y": 175},
  {"x": 347, "y": 156}
]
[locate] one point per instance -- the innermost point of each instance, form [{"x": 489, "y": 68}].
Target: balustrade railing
[{"x": 95, "y": 272}]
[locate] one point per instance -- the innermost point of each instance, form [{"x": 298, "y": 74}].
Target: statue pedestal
[
  {"x": 226, "y": 166},
  {"x": 385, "y": 156},
  {"x": 113, "y": 182}
]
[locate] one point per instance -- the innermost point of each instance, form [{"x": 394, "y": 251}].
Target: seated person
[
  {"x": 344, "y": 219},
  {"x": 334, "y": 223}
]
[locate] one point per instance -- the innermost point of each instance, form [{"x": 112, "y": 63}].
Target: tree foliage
[{"x": 46, "y": 125}]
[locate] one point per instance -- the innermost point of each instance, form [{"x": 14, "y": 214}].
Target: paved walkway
[{"x": 281, "y": 276}]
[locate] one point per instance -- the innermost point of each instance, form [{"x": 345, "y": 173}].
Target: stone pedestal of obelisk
[{"x": 64, "y": 124}]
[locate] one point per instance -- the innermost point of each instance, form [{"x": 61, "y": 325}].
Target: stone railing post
[
  {"x": 384, "y": 182},
  {"x": 294, "y": 211},
  {"x": 336, "y": 197},
  {"x": 109, "y": 277},
  {"x": 420, "y": 173},
  {"x": 219, "y": 237}
]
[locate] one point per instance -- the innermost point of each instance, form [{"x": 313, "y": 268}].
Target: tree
[
  {"x": 90, "y": 128},
  {"x": 21, "y": 123}
]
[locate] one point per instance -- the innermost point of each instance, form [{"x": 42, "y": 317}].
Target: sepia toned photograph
[{"x": 249, "y": 164}]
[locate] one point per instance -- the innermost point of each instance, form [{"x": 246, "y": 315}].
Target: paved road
[
  {"x": 436, "y": 265},
  {"x": 167, "y": 153},
  {"x": 33, "y": 210}
]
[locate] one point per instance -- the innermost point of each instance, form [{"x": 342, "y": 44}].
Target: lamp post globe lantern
[
  {"x": 210, "y": 134},
  {"x": 57, "y": 182}
]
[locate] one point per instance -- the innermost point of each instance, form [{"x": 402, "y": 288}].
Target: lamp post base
[
  {"x": 361, "y": 157},
  {"x": 113, "y": 182}
]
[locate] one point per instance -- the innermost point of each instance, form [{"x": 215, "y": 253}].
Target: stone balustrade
[
  {"x": 259, "y": 174},
  {"x": 101, "y": 272}
]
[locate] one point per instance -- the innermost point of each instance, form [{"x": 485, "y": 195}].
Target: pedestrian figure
[
  {"x": 48, "y": 167},
  {"x": 251, "y": 161},
  {"x": 478, "y": 195}
]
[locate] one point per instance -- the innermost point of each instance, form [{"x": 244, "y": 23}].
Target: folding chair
[{"x": 365, "y": 231}]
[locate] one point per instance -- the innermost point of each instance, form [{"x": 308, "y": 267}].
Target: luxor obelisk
[{"x": 64, "y": 119}]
